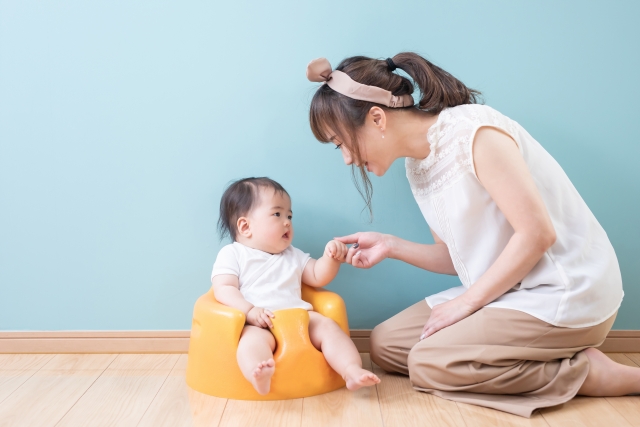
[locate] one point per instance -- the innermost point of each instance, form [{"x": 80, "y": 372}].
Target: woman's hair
[
  {"x": 238, "y": 199},
  {"x": 333, "y": 111}
]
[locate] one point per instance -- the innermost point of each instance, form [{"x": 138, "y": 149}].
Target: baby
[{"x": 260, "y": 272}]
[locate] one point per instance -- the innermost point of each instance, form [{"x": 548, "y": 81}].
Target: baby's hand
[
  {"x": 260, "y": 317},
  {"x": 336, "y": 250}
]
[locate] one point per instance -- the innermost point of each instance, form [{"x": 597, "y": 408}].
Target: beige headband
[{"x": 319, "y": 70}]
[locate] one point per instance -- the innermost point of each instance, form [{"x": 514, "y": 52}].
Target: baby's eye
[
  {"x": 277, "y": 214},
  {"x": 290, "y": 217}
]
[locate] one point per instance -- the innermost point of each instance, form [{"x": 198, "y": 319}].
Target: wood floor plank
[
  {"x": 478, "y": 416},
  {"x": 122, "y": 394},
  {"x": 49, "y": 393},
  {"x": 144, "y": 362},
  {"x": 275, "y": 413},
  {"x": 621, "y": 358},
  {"x": 177, "y": 405},
  {"x": 23, "y": 361},
  {"x": 584, "y": 412},
  {"x": 628, "y": 407},
  {"x": 635, "y": 357},
  {"x": 16, "y": 369},
  {"x": 401, "y": 405},
  {"x": 343, "y": 407}
]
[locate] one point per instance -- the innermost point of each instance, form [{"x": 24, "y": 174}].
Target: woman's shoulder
[
  {"x": 474, "y": 112},
  {"x": 462, "y": 121}
]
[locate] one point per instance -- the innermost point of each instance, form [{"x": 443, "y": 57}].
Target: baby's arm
[
  {"x": 318, "y": 273},
  {"x": 226, "y": 288}
]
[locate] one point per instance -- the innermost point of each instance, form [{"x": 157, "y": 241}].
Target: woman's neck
[{"x": 411, "y": 133}]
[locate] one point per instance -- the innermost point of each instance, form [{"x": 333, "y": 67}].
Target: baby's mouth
[{"x": 286, "y": 235}]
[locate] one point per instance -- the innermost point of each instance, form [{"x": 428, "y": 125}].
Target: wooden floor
[{"x": 128, "y": 390}]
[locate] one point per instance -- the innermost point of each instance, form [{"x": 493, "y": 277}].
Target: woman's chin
[{"x": 378, "y": 172}]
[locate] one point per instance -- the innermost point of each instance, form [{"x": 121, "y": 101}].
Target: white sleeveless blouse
[{"x": 577, "y": 283}]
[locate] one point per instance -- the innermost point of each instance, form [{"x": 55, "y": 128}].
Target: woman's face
[{"x": 374, "y": 145}]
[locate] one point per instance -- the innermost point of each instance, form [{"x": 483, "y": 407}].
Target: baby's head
[{"x": 257, "y": 213}]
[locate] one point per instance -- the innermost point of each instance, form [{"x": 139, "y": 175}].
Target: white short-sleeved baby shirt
[{"x": 268, "y": 281}]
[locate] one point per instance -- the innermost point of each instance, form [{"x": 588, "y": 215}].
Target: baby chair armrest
[
  {"x": 328, "y": 304},
  {"x": 226, "y": 322}
]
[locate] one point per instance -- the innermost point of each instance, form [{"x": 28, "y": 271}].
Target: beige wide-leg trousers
[{"x": 499, "y": 358}]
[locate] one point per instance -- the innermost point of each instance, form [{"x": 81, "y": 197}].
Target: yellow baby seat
[{"x": 301, "y": 370}]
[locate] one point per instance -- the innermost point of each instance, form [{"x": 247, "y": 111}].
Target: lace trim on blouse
[{"x": 451, "y": 154}]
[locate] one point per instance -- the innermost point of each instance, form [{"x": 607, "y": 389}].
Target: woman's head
[{"x": 358, "y": 127}]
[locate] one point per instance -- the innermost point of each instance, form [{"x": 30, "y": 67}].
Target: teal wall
[{"x": 121, "y": 122}]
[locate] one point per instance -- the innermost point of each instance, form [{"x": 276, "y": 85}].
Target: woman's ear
[
  {"x": 378, "y": 117},
  {"x": 244, "y": 229}
]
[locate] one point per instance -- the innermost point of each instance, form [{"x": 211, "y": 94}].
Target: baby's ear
[{"x": 243, "y": 226}]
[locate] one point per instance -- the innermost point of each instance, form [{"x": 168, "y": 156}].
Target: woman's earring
[{"x": 383, "y": 136}]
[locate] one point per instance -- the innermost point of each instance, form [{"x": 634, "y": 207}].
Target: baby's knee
[
  {"x": 252, "y": 335},
  {"x": 323, "y": 324}
]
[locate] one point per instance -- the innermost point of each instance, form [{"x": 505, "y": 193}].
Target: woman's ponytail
[{"x": 438, "y": 89}]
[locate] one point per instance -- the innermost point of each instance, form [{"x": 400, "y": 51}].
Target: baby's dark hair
[{"x": 238, "y": 200}]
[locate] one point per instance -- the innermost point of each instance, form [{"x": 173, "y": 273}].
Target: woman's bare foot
[
  {"x": 608, "y": 378},
  {"x": 356, "y": 377},
  {"x": 262, "y": 376}
]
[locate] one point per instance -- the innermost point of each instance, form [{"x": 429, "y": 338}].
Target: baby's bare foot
[
  {"x": 356, "y": 377},
  {"x": 262, "y": 376}
]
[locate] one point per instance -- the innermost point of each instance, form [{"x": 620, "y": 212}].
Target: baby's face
[{"x": 270, "y": 222}]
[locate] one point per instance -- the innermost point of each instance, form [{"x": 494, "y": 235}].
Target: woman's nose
[{"x": 346, "y": 156}]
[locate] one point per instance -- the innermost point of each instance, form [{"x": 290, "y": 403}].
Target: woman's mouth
[{"x": 366, "y": 164}]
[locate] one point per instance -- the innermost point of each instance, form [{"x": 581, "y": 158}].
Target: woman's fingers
[
  {"x": 428, "y": 330},
  {"x": 351, "y": 238},
  {"x": 350, "y": 253},
  {"x": 357, "y": 260}
]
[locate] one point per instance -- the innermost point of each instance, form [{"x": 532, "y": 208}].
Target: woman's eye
[{"x": 338, "y": 146}]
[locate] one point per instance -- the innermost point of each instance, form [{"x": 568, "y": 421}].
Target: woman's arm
[
  {"x": 435, "y": 258},
  {"x": 506, "y": 177},
  {"x": 370, "y": 248}
]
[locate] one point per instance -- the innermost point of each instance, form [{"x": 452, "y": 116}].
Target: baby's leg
[
  {"x": 255, "y": 357},
  {"x": 340, "y": 352}
]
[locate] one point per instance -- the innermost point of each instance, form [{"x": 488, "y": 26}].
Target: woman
[{"x": 541, "y": 284}]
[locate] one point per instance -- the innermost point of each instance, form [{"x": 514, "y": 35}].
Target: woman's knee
[
  {"x": 430, "y": 368},
  {"x": 379, "y": 345}
]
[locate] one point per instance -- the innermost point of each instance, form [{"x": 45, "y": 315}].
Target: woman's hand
[
  {"x": 447, "y": 314},
  {"x": 369, "y": 248},
  {"x": 260, "y": 317}
]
